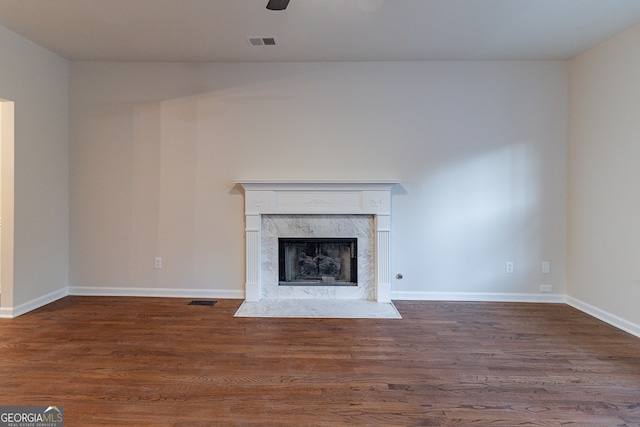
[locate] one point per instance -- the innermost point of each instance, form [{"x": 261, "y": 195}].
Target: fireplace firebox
[{"x": 318, "y": 261}]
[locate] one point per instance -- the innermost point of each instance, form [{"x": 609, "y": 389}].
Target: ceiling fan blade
[{"x": 277, "y": 4}]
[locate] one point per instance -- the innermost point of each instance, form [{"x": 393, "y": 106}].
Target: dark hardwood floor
[{"x": 161, "y": 362}]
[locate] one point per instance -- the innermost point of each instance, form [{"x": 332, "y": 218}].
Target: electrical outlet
[
  {"x": 546, "y": 288},
  {"x": 158, "y": 262},
  {"x": 508, "y": 267},
  {"x": 546, "y": 267}
]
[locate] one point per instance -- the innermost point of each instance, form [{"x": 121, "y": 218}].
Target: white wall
[
  {"x": 480, "y": 147},
  {"x": 604, "y": 181},
  {"x": 7, "y": 145},
  {"x": 36, "y": 81}
]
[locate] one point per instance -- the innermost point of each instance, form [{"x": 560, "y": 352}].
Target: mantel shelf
[{"x": 324, "y": 184}]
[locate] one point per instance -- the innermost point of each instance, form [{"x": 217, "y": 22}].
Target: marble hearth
[{"x": 317, "y": 209}]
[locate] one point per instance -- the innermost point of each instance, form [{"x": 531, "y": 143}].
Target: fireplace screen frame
[{"x": 348, "y": 277}]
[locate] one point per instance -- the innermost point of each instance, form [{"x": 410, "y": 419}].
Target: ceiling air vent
[{"x": 262, "y": 41}]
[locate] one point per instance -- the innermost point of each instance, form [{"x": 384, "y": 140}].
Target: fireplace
[
  {"x": 318, "y": 261},
  {"x": 320, "y": 229},
  {"x": 346, "y": 253}
]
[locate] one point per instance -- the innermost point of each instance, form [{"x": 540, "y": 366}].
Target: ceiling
[{"x": 318, "y": 30}]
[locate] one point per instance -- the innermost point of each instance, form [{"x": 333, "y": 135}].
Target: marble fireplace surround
[{"x": 318, "y": 208}]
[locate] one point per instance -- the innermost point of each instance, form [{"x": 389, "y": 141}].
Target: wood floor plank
[{"x": 121, "y": 361}]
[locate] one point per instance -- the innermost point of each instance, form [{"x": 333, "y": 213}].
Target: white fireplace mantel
[{"x": 318, "y": 197}]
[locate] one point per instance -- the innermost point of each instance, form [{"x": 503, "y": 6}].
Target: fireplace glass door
[{"x": 318, "y": 262}]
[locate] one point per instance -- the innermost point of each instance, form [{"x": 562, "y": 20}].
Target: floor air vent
[{"x": 202, "y": 302}]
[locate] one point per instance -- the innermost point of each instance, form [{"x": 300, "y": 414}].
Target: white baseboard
[
  {"x": 612, "y": 319},
  {"x": 478, "y": 296},
  {"x": 155, "y": 292},
  {"x": 11, "y": 312},
  {"x": 605, "y": 316}
]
